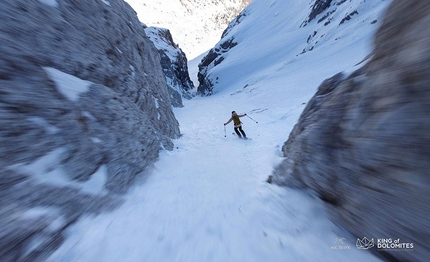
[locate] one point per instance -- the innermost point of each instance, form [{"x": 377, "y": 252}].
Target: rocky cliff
[
  {"x": 174, "y": 64},
  {"x": 362, "y": 142},
  {"x": 84, "y": 110},
  {"x": 214, "y": 57}
]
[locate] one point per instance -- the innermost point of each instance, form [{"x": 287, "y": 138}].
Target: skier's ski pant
[{"x": 237, "y": 129}]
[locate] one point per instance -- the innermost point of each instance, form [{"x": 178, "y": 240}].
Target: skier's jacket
[{"x": 236, "y": 120}]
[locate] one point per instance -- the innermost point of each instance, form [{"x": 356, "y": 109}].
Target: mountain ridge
[{"x": 202, "y": 22}]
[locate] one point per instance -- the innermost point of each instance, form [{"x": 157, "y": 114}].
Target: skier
[{"x": 237, "y": 124}]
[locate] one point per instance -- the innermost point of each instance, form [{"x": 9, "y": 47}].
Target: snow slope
[
  {"x": 271, "y": 41},
  {"x": 207, "y": 200}
]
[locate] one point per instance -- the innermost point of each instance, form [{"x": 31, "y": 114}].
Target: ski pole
[
  {"x": 225, "y": 133},
  {"x": 251, "y": 118}
]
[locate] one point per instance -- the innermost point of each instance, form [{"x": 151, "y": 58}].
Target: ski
[{"x": 246, "y": 138}]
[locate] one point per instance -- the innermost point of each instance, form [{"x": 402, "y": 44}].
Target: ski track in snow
[{"x": 207, "y": 200}]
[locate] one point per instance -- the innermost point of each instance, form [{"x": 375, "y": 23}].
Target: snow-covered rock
[
  {"x": 362, "y": 141},
  {"x": 174, "y": 64},
  {"x": 84, "y": 110},
  {"x": 318, "y": 7}
]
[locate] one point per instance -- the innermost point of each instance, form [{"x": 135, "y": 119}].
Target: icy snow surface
[{"x": 207, "y": 200}]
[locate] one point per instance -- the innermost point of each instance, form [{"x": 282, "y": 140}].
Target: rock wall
[
  {"x": 174, "y": 63},
  {"x": 84, "y": 110},
  {"x": 362, "y": 141}
]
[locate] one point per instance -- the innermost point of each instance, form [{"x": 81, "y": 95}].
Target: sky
[{"x": 207, "y": 200}]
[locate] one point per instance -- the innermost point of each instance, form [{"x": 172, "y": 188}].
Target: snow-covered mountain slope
[
  {"x": 196, "y": 25},
  {"x": 275, "y": 35}
]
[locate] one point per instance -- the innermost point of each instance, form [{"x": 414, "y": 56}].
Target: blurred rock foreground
[
  {"x": 84, "y": 110},
  {"x": 362, "y": 143}
]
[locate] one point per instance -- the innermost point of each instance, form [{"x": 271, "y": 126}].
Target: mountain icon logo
[{"x": 364, "y": 243}]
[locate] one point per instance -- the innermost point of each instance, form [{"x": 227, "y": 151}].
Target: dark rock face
[
  {"x": 348, "y": 17},
  {"x": 362, "y": 141},
  {"x": 84, "y": 110},
  {"x": 174, "y": 63},
  {"x": 213, "y": 58},
  {"x": 318, "y": 7},
  {"x": 234, "y": 23}
]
